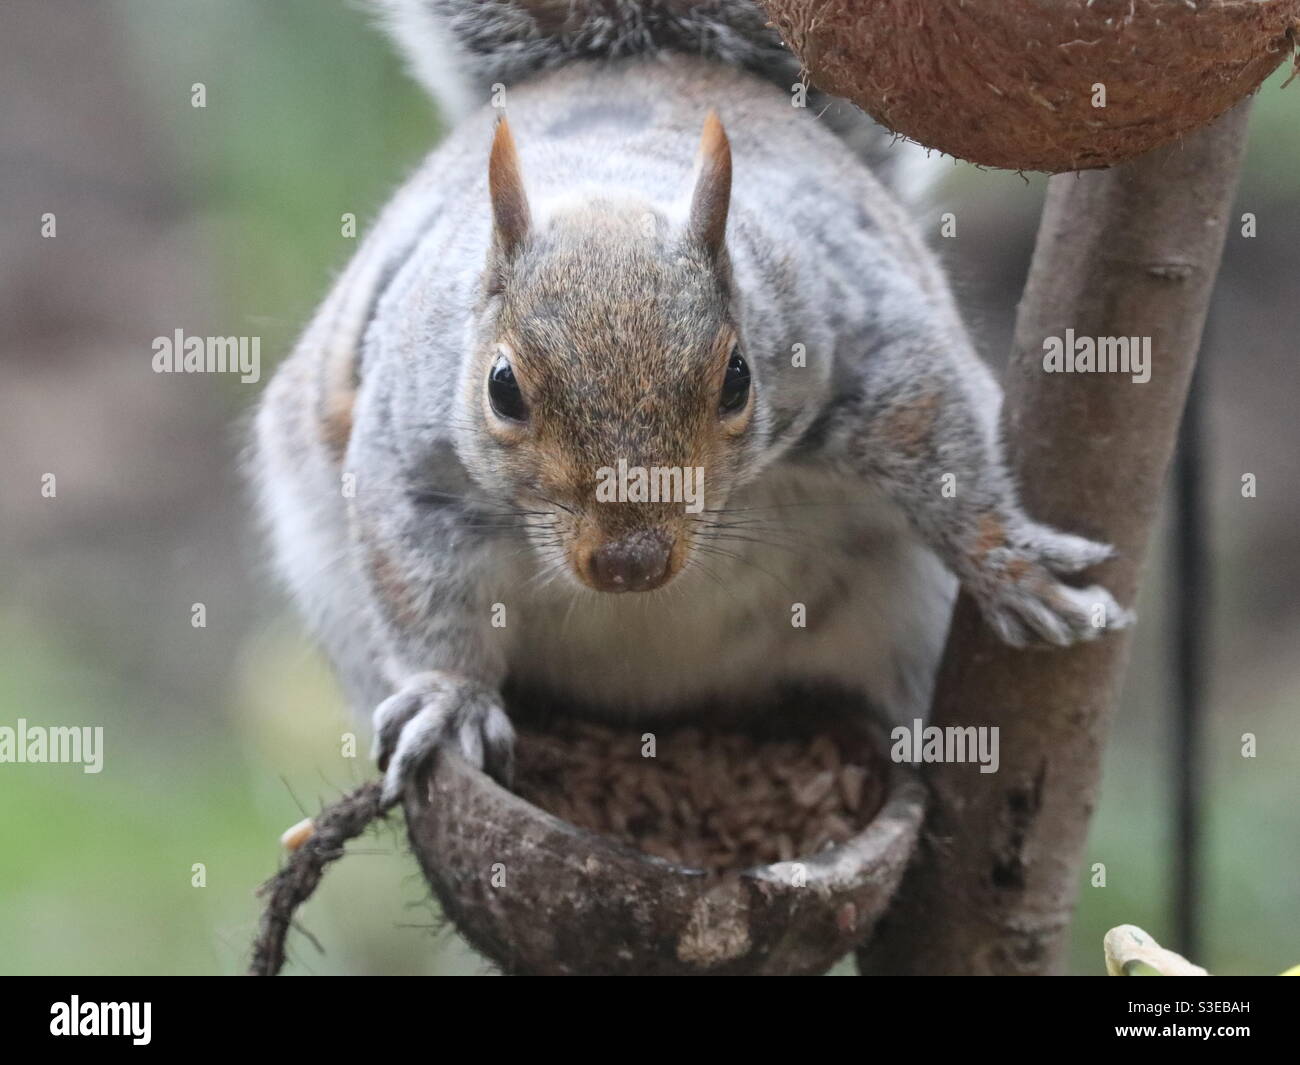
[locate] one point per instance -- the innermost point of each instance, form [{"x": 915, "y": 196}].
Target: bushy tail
[
  {"x": 460, "y": 48},
  {"x": 505, "y": 41}
]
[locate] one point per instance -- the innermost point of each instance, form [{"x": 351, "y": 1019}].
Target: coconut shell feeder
[
  {"x": 1050, "y": 85},
  {"x": 536, "y": 894}
]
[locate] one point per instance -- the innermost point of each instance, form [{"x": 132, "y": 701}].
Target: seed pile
[{"x": 717, "y": 801}]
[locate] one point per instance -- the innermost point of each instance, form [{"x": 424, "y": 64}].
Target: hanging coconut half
[
  {"x": 1048, "y": 85},
  {"x": 677, "y": 851}
]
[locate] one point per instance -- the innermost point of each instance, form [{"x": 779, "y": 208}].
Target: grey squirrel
[{"x": 596, "y": 285}]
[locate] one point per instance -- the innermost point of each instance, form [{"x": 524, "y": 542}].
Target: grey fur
[{"x": 832, "y": 497}]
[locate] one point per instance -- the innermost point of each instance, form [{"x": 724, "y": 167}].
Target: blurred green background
[{"x": 226, "y": 220}]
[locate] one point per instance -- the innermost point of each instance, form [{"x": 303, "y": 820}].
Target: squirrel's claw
[
  {"x": 1054, "y": 614},
  {"x": 434, "y": 709},
  {"x": 1026, "y": 605},
  {"x": 1064, "y": 552}
]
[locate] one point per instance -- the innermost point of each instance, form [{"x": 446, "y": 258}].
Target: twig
[{"x": 294, "y": 884}]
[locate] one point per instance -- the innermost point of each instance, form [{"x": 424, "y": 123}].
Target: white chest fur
[{"x": 814, "y": 579}]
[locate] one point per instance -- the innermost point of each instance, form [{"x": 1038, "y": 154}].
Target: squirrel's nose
[{"x": 634, "y": 563}]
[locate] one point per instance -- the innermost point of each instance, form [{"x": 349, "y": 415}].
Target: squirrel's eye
[
  {"x": 503, "y": 392},
  {"x": 735, "y": 386}
]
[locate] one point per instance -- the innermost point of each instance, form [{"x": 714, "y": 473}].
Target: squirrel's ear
[
  {"x": 510, "y": 216},
  {"x": 712, "y": 197}
]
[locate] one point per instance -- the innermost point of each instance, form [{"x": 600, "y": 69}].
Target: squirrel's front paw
[
  {"x": 1015, "y": 583},
  {"x": 433, "y": 709}
]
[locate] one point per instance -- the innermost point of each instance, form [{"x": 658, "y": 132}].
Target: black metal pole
[{"x": 1190, "y": 620}]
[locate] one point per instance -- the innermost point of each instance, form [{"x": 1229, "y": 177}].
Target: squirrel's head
[{"x": 609, "y": 395}]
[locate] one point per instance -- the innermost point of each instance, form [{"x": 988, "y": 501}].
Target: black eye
[
  {"x": 503, "y": 392},
  {"x": 735, "y": 386}
]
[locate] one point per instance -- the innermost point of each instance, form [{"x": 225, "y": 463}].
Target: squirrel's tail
[
  {"x": 486, "y": 42},
  {"x": 458, "y": 49}
]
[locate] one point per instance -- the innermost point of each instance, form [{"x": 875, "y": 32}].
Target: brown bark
[{"x": 1127, "y": 252}]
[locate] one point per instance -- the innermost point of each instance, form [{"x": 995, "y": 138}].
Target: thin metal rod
[{"x": 1190, "y": 599}]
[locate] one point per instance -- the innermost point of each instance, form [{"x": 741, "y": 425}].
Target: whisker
[{"x": 724, "y": 553}]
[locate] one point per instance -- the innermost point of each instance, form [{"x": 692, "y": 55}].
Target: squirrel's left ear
[
  {"x": 511, "y": 218},
  {"x": 712, "y": 196}
]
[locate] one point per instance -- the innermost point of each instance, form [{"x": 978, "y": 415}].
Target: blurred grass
[
  {"x": 99, "y": 871},
  {"x": 309, "y": 117}
]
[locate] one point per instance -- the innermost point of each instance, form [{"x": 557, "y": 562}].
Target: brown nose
[{"x": 634, "y": 563}]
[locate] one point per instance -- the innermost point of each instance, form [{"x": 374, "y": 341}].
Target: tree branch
[{"x": 1127, "y": 252}]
